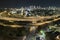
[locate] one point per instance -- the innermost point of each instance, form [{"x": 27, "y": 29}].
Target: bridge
[{"x": 28, "y": 21}]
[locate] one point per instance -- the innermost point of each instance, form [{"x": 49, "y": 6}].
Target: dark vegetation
[{"x": 9, "y": 32}]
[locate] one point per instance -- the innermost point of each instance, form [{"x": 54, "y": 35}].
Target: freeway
[
  {"x": 31, "y": 19},
  {"x": 47, "y": 22},
  {"x": 32, "y": 24}
]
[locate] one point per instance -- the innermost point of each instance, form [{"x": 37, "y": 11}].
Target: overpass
[{"x": 28, "y": 21}]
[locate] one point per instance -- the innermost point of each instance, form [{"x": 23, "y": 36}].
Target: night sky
[{"x": 19, "y": 3}]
